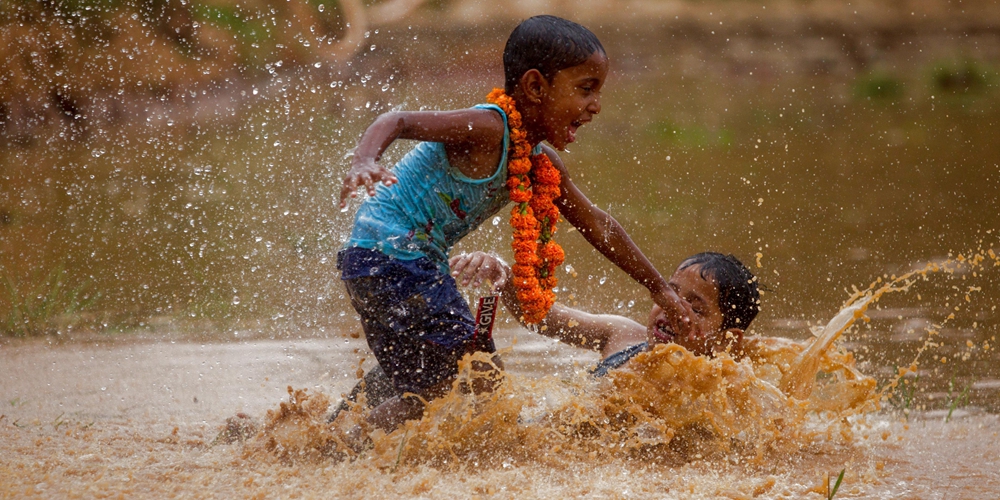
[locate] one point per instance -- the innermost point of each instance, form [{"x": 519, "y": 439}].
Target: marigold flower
[
  {"x": 530, "y": 294},
  {"x": 518, "y": 182},
  {"x": 546, "y": 190},
  {"x": 527, "y": 284},
  {"x": 523, "y": 222},
  {"x": 549, "y": 176},
  {"x": 523, "y": 271},
  {"x": 549, "y": 282},
  {"x": 551, "y": 252},
  {"x": 528, "y": 259},
  {"x": 518, "y": 167}
]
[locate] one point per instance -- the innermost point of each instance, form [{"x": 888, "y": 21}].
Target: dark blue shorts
[{"x": 416, "y": 322}]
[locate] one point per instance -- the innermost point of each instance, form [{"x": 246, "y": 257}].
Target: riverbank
[{"x": 85, "y": 72}]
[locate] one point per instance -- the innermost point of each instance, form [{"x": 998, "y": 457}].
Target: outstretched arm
[
  {"x": 605, "y": 333},
  {"x": 602, "y": 231},
  {"x": 467, "y": 130}
]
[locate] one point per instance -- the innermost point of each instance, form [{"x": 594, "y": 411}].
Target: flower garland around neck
[{"x": 534, "y": 183}]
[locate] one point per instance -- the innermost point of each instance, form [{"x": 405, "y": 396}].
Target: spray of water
[{"x": 666, "y": 405}]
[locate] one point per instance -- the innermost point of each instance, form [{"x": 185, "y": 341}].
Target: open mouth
[
  {"x": 571, "y": 133},
  {"x": 663, "y": 332}
]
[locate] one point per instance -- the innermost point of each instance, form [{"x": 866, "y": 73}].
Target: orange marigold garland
[{"x": 534, "y": 183}]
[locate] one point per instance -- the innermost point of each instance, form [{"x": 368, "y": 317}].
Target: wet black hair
[
  {"x": 546, "y": 43},
  {"x": 739, "y": 296}
]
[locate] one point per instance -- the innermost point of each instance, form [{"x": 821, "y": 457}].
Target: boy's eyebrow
[
  {"x": 693, "y": 295},
  {"x": 696, "y": 296}
]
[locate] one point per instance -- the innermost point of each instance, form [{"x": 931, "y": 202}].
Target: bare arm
[
  {"x": 476, "y": 134},
  {"x": 604, "y": 333},
  {"x": 605, "y": 234}
]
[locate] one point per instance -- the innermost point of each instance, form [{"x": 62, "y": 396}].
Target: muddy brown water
[
  {"x": 138, "y": 418},
  {"x": 208, "y": 253}
]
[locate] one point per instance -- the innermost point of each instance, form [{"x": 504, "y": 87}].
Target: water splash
[{"x": 667, "y": 405}]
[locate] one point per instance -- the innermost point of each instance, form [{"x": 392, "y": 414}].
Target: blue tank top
[{"x": 432, "y": 206}]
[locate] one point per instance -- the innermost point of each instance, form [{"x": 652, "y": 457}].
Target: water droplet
[
  {"x": 322, "y": 7},
  {"x": 496, "y": 222},
  {"x": 602, "y": 280},
  {"x": 631, "y": 303},
  {"x": 236, "y": 301}
]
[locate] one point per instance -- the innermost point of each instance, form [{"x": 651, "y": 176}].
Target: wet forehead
[
  {"x": 595, "y": 67},
  {"x": 690, "y": 285}
]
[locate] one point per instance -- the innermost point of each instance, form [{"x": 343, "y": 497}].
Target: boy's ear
[{"x": 533, "y": 85}]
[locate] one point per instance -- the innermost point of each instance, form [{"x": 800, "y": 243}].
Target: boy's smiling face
[
  {"x": 570, "y": 100},
  {"x": 706, "y": 335}
]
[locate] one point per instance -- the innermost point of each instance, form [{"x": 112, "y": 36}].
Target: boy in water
[
  {"x": 394, "y": 264},
  {"x": 722, "y": 292}
]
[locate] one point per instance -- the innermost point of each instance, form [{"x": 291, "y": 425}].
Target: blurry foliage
[
  {"x": 28, "y": 310},
  {"x": 878, "y": 87},
  {"x": 693, "y": 136},
  {"x": 70, "y": 58},
  {"x": 966, "y": 77}
]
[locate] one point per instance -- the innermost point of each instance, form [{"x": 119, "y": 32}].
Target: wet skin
[
  {"x": 567, "y": 102},
  {"x": 706, "y": 335}
]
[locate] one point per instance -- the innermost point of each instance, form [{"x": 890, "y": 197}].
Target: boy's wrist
[{"x": 657, "y": 286}]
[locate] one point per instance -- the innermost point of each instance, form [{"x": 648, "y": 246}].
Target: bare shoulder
[
  {"x": 624, "y": 333},
  {"x": 482, "y": 127}
]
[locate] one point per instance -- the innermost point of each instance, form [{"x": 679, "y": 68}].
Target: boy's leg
[
  {"x": 418, "y": 326},
  {"x": 376, "y": 386}
]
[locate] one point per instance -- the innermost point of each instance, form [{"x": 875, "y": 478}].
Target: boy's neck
[{"x": 530, "y": 117}]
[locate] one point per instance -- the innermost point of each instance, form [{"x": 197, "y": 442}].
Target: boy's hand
[
  {"x": 367, "y": 173},
  {"x": 678, "y": 311},
  {"x": 478, "y": 266}
]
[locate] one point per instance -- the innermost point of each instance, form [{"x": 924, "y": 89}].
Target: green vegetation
[
  {"x": 963, "y": 77},
  {"x": 833, "y": 491},
  {"x": 878, "y": 87},
  {"x": 956, "y": 401},
  {"x": 902, "y": 398},
  {"x": 39, "y": 309},
  {"x": 693, "y": 136}
]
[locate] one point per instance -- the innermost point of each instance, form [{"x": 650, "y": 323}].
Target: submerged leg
[{"x": 377, "y": 388}]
